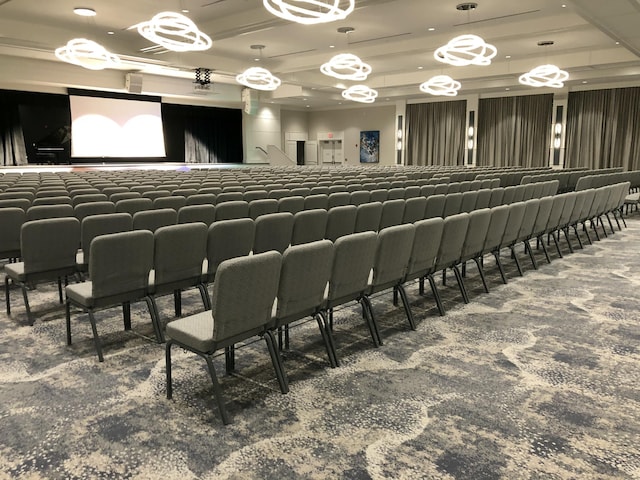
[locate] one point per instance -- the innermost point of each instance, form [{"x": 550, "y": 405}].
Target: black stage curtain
[{"x": 195, "y": 134}]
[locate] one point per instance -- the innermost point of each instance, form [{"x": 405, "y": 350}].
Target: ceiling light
[
  {"x": 360, "y": 93},
  {"x": 441, "y": 85},
  {"x": 310, "y": 12},
  {"x": 545, "y": 76},
  {"x": 431, "y": 29},
  {"x": 466, "y": 50},
  {"x": 258, "y": 78},
  {"x": 87, "y": 54},
  {"x": 111, "y": 32},
  {"x": 84, "y": 11},
  {"x": 346, "y": 66},
  {"x": 175, "y": 32}
]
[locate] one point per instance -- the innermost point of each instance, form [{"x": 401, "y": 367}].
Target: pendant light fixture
[
  {"x": 441, "y": 85},
  {"x": 88, "y": 54},
  {"x": 360, "y": 93},
  {"x": 174, "y": 32},
  {"x": 310, "y": 12},
  {"x": 257, "y": 77},
  {"x": 547, "y": 75},
  {"x": 346, "y": 66},
  {"x": 466, "y": 49}
]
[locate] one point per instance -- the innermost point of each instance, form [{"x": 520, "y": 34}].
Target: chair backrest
[
  {"x": 94, "y": 197},
  {"x": 133, "y": 205},
  {"x": 201, "y": 199},
  {"x": 273, "y": 232},
  {"x": 427, "y": 190},
  {"x": 242, "y": 299},
  {"x": 556, "y": 212},
  {"x": 476, "y": 234},
  {"x": 278, "y": 193},
  {"x": 174, "y": 201},
  {"x": 152, "y": 195},
  {"x": 368, "y": 217},
  {"x": 414, "y": 208},
  {"x": 232, "y": 209},
  {"x": 352, "y": 262},
  {"x": 179, "y": 252},
  {"x": 483, "y": 199},
  {"x": 544, "y": 210},
  {"x": 339, "y": 199},
  {"x": 411, "y": 192},
  {"x": 197, "y": 213},
  {"x": 360, "y": 197},
  {"x": 153, "y": 219},
  {"x": 102, "y": 224},
  {"x": 229, "y": 197},
  {"x": 426, "y": 243},
  {"x": 251, "y": 195},
  {"x": 262, "y": 206},
  {"x": 469, "y": 200},
  {"x": 532, "y": 207},
  {"x": 49, "y": 244},
  {"x": 21, "y": 203},
  {"x": 509, "y": 195},
  {"x": 84, "y": 210},
  {"x": 228, "y": 239},
  {"x": 120, "y": 263},
  {"x": 435, "y": 206},
  {"x": 116, "y": 197},
  {"x": 340, "y": 221},
  {"x": 395, "y": 194},
  {"x": 314, "y": 201},
  {"x": 497, "y": 197},
  {"x": 392, "y": 256},
  {"x": 514, "y": 222},
  {"x": 567, "y": 208},
  {"x": 378, "y": 195},
  {"x": 309, "y": 226},
  {"x": 66, "y": 200},
  {"x": 454, "y": 233},
  {"x": 11, "y": 220},
  {"x": 41, "y": 212},
  {"x": 452, "y": 204},
  {"x": 392, "y": 213},
  {"x": 293, "y": 204},
  {"x": 306, "y": 270}
]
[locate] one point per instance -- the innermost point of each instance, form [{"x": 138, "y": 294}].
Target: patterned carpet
[{"x": 536, "y": 380}]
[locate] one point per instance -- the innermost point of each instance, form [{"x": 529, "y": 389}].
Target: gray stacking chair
[
  {"x": 232, "y": 209},
  {"x": 352, "y": 262},
  {"x": 453, "y": 187},
  {"x": 454, "y": 233},
  {"x": 179, "y": 252},
  {"x": 197, "y": 213},
  {"x": 273, "y": 232},
  {"x": 153, "y": 219},
  {"x": 21, "y": 203},
  {"x": 48, "y": 248},
  {"x": 242, "y": 306},
  {"x": 550, "y": 188},
  {"x": 565, "y": 218},
  {"x": 119, "y": 266},
  {"x": 414, "y": 208},
  {"x": 497, "y": 197},
  {"x": 263, "y": 206},
  {"x": 26, "y": 195},
  {"x": 424, "y": 252},
  {"x": 319, "y": 190},
  {"x": 309, "y": 226},
  {"x": 452, "y": 204},
  {"x": 483, "y": 199},
  {"x": 83, "y": 210},
  {"x": 305, "y": 273},
  {"x": 278, "y": 193},
  {"x": 313, "y": 202},
  {"x": 51, "y": 201},
  {"x": 219, "y": 248},
  {"x": 435, "y": 206},
  {"x": 589, "y": 197},
  {"x": 154, "y": 194},
  {"x": 108, "y": 191},
  {"x": 554, "y": 220},
  {"x": 95, "y": 197},
  {"x": 469, "y": 200},
  {"x": 293, "y": 204},
  {"x": 300, "y": 192},
  {"x": 511, "y": 231},
  {"x": 185, "y": 192},
  {"x": 539, "y": 226},
  {"x": 201, "y": 199},
  {"x": 45, "y": 193},
  {"x": 427, "y": 190},
  {"x": 229, "y": 197},
  {"x": 11, "y": 220},
  {"x": 538, "y": 190},
  {"x": 340, "y": 221},
  {"x": 390, "y": 266},
  {"x": 527, "y": 227},
  {"x": 474, "y": 244},
  {"x": 42, "y": 212},
  {"x": 133, "y": 205},
  {"x": 411, "y": 192},
  {"x": 395, "y": 194},
  {"x": 529, "y": 191},
  {"x": 360, "y": 197},
  {"x": 338, "y": 199},
  {"x": 509, "y": 195},
  {"x": 392, "y": 213},
  {"x": 96, "y": 225},
  {"x": 378, "y": 195},
  {"x": 116, "y": 197},
  {"x": 174, "y": 202},
  {"x": 368, "y": 217}
]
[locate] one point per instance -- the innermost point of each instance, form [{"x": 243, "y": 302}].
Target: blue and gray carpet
[{"x": 538, "y": 379}]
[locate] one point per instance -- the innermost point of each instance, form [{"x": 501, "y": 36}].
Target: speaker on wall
[
  {"x": 250, "y": 99},
  {"x": 133, "y": 82}
]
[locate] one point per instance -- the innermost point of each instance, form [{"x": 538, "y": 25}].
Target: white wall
[
  {"x": 294, "y": 121},
  {"x": 261, "y": 130},
  {"x": 354, "y": 120}
]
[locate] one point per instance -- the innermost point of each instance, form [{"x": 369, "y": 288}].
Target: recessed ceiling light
[
  {"x": 420, "y": 68},
  {"x": 184, "y": 10},
  {"x": 564, "y": 5},
  {"x": 584, "y": 81},
  {"x": 507, "y": 88},
  {"x": 111, "y": 33},
  {"x": 508, "y": 56},
  {"x": 617, "y": 43},
  {"x": 332, "y": 46},
  {"x": 84, "y": 11},
  {"x": 308, "y": 106},
  {"x": 431, "y": 29}
]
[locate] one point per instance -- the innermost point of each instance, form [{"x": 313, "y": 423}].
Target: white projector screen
[{"x": 115, "y": 128}]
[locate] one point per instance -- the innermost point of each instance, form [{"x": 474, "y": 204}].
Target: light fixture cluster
[
  {"x": 441, "y": 85},
  {"x": 346, "y": 66},
  {"x": 87, "y": 53},
  {"x": 258, "y": 78},
  {"x": 310, "y": 12},
  {"x": 174, "y": 32}
]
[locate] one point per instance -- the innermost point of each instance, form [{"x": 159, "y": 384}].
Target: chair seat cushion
[
  {"x": 81, "y": 293},
  {"x": 632, "y": 198},
  {"x": 15, "y": 271},
  {"x": 195, "y": 331}
]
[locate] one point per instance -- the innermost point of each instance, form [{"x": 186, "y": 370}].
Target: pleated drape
[
  {"x": 603, "y": 129},
  {"x": 436, "y": 133},
  {"x": 12, "y": 147},
  {"x": 514, "y": 131}
]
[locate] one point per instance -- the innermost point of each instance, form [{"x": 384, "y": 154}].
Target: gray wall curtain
[
  {"x": 12, "y": 147},
  {"x": 514, "y": 131},
  {"x": 436, "y": 133},
  {"x": 603, "y": 129}
]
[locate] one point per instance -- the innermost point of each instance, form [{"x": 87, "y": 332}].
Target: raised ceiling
[{"x": 597, "y": 42}]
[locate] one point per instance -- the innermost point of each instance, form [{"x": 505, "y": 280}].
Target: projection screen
[{"x": 115, "y": 128}]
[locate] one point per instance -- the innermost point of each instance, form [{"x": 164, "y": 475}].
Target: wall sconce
[
  {"x": 399, "y": 139},
  {"x": 471, "y": 137},
  {"x": 556, "y": 135}
]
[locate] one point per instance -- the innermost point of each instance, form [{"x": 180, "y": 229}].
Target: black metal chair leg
[
  {"x": 460, "y": 280},
  {"x": 217, "y": 391},
  {"x": 421, "y": 286},
  {"x": 407, "y": 308},
  {"x": 167, "y": 357},
  {"x": 575, "y": 229},
  {"x": 610, "y": 224},
  {"x": 615, "y": 217},
  {"x": 230, "y": 359},
  {"x": 529, "y": 250},
  {"x": 622, "y": 217},
  {"x": 604, "y": 230},
  {"x": 478, "y": 261},
  {"x": 546, "y": 252},
  {"x": 566, "y": 236},
  {"x": 327, "y": 343},
  {"x": 126, "y": 314},
  {"x": 395, "y": 298},
  {"x": 369, "y": 317},
  {"x": 555, "y": 241},
  {"x": 586, "y": 232},
  {"x": 515, "y": 259},
  {"x": 332, "y": 342},
  {"x": 204, "y": 295},
  {"x": 177, "y": 302},
  {"x": 25, "y": 296},
  {"x": 496, "y": 254},
  {"x": 96, "y": 338},
  {"x": 67, "y": 314},
  {"x": 276, "y": 360},
  {"x": 436, "y": 294},
  {"x": 60, "y": 289},
  {"x": 6, "y": 294},
  {"x": 155, "y": 318},
  {"x": 286, "y": 337}
]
